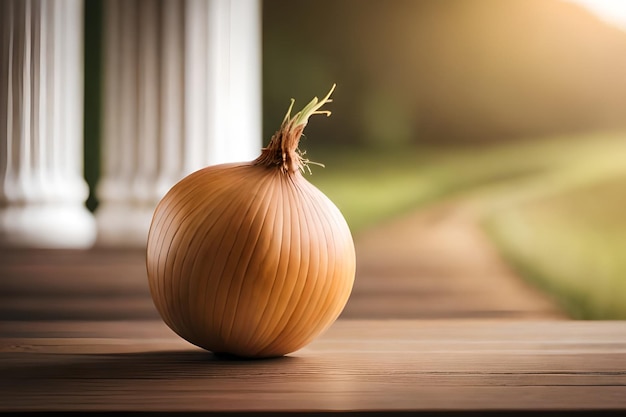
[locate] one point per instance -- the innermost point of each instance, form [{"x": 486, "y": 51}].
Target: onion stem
[
  {"x": 282, "y": 150},
  {"x": 302, "y": 117}
]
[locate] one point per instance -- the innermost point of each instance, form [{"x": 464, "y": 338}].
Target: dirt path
[{"x": 437, "y": 263}]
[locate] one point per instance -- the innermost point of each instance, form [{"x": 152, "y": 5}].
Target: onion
[{"x": 250, "y": 259}]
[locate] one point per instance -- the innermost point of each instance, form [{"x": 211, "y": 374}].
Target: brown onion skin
[{"x": 249, "y": 260}]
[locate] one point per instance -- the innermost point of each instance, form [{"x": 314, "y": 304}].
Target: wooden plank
[
  {"x": 95, "y": 284},
  {"x": 383, "y": 366}
]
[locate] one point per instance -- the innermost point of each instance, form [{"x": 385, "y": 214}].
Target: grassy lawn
[
  {"x": 371, "y": 185},
  {"x": 572, "y": 245},
  {"x": 552, "y": 206}
]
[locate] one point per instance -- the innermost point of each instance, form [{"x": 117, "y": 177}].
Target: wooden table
[
  {"x": 79, "y": 332},
  {"x": 378, "y": 366}
]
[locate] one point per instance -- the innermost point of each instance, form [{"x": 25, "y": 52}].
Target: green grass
[
  {"x": 566, "y": 231},
  {"x": 572, "y": 245},
  {"x": 553, "y": 206},
  {"x": 370, "y": 186}
]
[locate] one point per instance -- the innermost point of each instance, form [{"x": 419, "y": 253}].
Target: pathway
[{"x": 436, "y": 263}]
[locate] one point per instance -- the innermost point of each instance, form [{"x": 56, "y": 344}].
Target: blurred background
[
  {"x": 445, "y": 72},
  {"x": 515, "y": 107},
  {"x": 512, "y": 113}
]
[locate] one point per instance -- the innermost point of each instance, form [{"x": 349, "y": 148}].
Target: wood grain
[{"x": 380, "y": 366}]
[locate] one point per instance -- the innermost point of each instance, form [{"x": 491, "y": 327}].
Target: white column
[
  {"x": 42, "y": 189},
  {"x": 182, "y": 91}
]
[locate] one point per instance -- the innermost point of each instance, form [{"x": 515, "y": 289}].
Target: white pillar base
[
  {"x": 47, "y": 226},
  {"x": 123, "y": 225}
]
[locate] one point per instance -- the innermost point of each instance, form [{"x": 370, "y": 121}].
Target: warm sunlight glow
[{"x": 611, "y": 11}]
